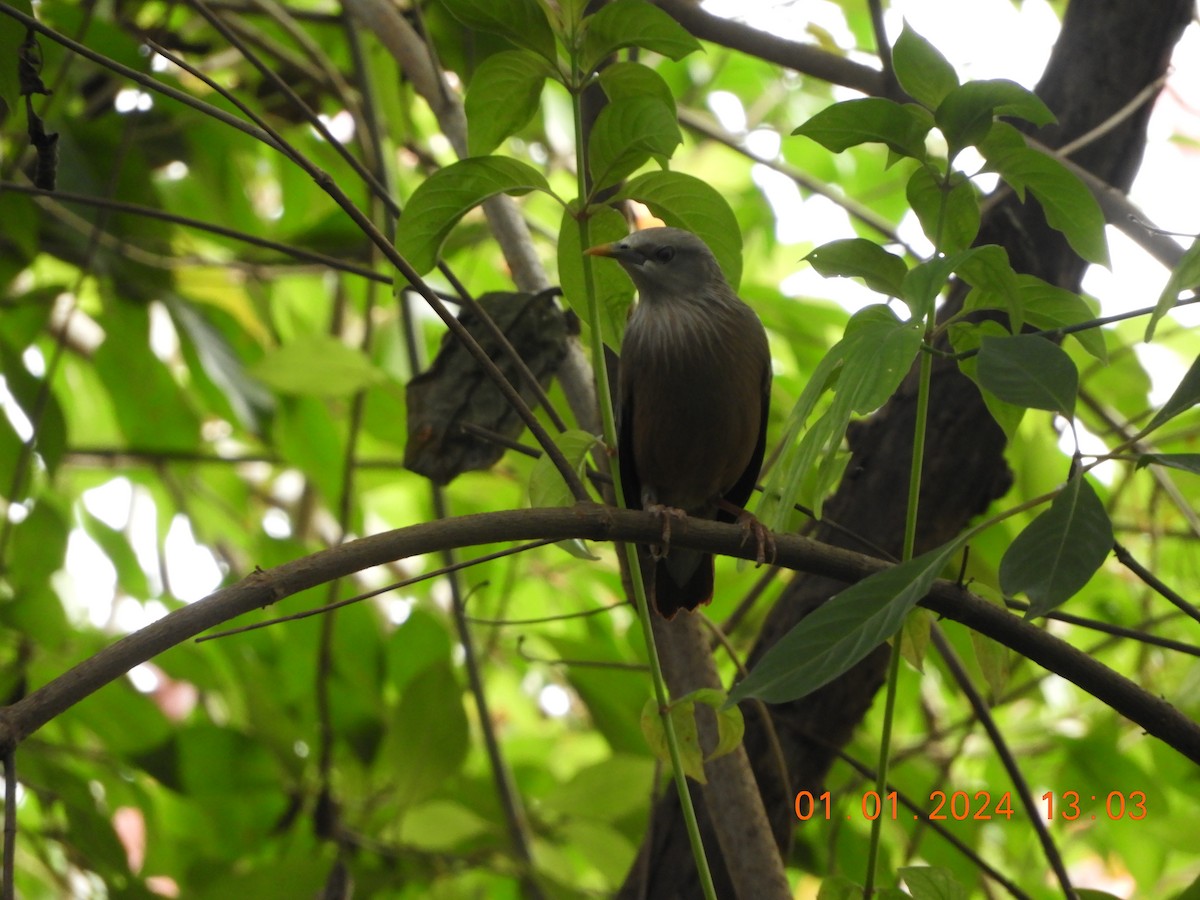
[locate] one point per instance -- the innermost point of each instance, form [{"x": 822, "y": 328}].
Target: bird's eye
[{"x": 664, "y": 254}]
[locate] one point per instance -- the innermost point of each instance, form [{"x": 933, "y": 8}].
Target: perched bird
[{"x": 694, "y": 385}]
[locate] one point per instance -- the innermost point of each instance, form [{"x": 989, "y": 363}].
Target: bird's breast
[{"x": 695, "y": 379}]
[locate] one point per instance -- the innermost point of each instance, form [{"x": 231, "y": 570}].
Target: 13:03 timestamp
[
  {"x": 1071, "y": 805},
  {"x": 1065, "y": 805}
]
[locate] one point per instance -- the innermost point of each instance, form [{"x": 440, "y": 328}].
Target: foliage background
[{"x": 205, "y": 406}]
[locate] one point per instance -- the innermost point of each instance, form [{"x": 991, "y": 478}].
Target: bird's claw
[
  {"x": 665, "y": 514},
  {"x": 764, "y": 540}
]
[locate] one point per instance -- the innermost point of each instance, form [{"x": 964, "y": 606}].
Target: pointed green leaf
[
  {"x": 950, "y": 221},
  {"x": 626, "y": 80},
  {"x": 316, "y": 365},
  {"x": 1029, "y": 371},
  {"x": 503, "y": 96},
  {"x": 627, "y": 134},
  {"x": 730, "y": 723},
  {"x": 613, "y": 289},
  {"x": 864, "y": 368},
  {"x": 685, "y": 201},
  {"x": 921, "y": 70},
  {"x": 966, "y": 113},
  {"x": 1183, "y": 398},
  {"x": 428, "y": 738},
  {"x": 859, "y": 258},
  {"x": 870, "y": 120},
  {"x": 683, "y": 720},
  {"x": 965, "y": 338},
  {"x": 925, "y": 281},
  {"x": 115, "y": 544},
  {"x": 1184, "y": 277},
  {"x": 1185, "y": 462},
  {"x": 1069, "y": 206},
  {"x": 1060, "y": 550},
  {"x": 448, "y": 194},
  {"x": 521, "y": 21},
  {"x": 932, "y": 883},
  {"x": 547, "y": 487},
  {"x": 633, "y": 23},
  {"x": 838, "y": 634},
  {"x": 1048, "y": 307},
  {"x": 39, "y": 402}
]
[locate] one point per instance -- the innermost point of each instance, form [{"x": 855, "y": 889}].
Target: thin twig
[{"x": 1000, "y": 745}]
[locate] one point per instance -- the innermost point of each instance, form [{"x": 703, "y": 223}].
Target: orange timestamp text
[{"x": 978, "y": 806}]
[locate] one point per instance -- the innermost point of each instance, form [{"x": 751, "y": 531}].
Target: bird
[{"x": 694, "y": 385}]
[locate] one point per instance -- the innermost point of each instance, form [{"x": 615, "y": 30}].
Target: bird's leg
[
  {"x": 750, "y": 524},
  {"x": 665, "y": 514}
]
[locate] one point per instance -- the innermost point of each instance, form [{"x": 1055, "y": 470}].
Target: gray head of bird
[{"x": 665, "y": 263}]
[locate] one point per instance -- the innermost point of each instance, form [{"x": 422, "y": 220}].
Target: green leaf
[
  {"x": 1069, "y": 206},
  {"x": 683, "y": 722},
  {"x": 1184, "y": 277},
  {"x": 316, "y": 365},
  {"x": 627, "y": 134},
  {"x": 1185, "y": 462},
  {"x": 613, "y": 289},
  {"x": 116, "y": 546},
  {"x": 547, "y": 487},
  {"x": 965, "y": 338},
  {"x": 1060, "y": 550},
  {"x": 839, "y": 887},
  {"x": 503, "y": 96},
  {"x": 427, "y": 739},
  {"x": 152, "y": 408},
  {"x": 966, "y": 114},
  {"x": 1048, "y": 307},
  {"x": 448, "y": 194},
  {"x": 731, "y": 726},
  {"x": 949, "y": 218},
  {"x": 521, "y": 21},
  {"x": 882, "y": 271},
  {"x": 546, "y": 484},
  {"x": 39, "y": 402},
  {"x": 39, "y": 541},
  {"x": 633, "y": 23},
  {"x": 1183, "y": 398},
  {"x": 864, "y": 368},
  {"x": 924, "y": 281},
  {"x": 921, "y": 70},
  {"x": 248, "y": 399},
  {"x": 842, "y": 631},
  {"x": 870, "y": 120},
  {"x": 306, "y": 436},
  {"x": 1029, "y": 371},
  {"x": 627, "y": 80},
  {"x": 932, "y": 883},
  {"x": 685, "y": 201}
]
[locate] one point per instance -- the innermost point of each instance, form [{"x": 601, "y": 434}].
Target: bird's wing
[
  {"x": 744, "y": 486},
  {"x": 630, "y": 483}
]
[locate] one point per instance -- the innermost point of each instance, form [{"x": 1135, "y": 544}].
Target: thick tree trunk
[{"x": 1107, "y": 52}]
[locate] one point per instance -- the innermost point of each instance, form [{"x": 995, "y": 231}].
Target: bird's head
[{"x": 665, "y": 262}]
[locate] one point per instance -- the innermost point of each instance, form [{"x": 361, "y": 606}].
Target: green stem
[
  {"x": 925, "y": 376},
  {"x": 604, "y": 399}
]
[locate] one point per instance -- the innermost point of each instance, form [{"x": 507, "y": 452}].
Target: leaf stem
[{"x": 925, "y": 377}]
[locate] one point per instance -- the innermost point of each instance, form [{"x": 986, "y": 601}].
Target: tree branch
[{"x": 589, "y": 522}]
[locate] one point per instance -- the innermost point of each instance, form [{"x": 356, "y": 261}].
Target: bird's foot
[
  {"x": 751, "y": 524},
  {"x": 665, "y": 515}
]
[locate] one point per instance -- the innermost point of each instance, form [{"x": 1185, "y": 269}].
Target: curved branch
[
  {"x": 803, "y": 58},
  {"x": 598, "y": 523}
]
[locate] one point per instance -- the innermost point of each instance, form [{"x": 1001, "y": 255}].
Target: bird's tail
[{"x": 682, "y": 580}]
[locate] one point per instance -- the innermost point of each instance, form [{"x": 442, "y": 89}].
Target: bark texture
[{"x": 1107, "y": 52}]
